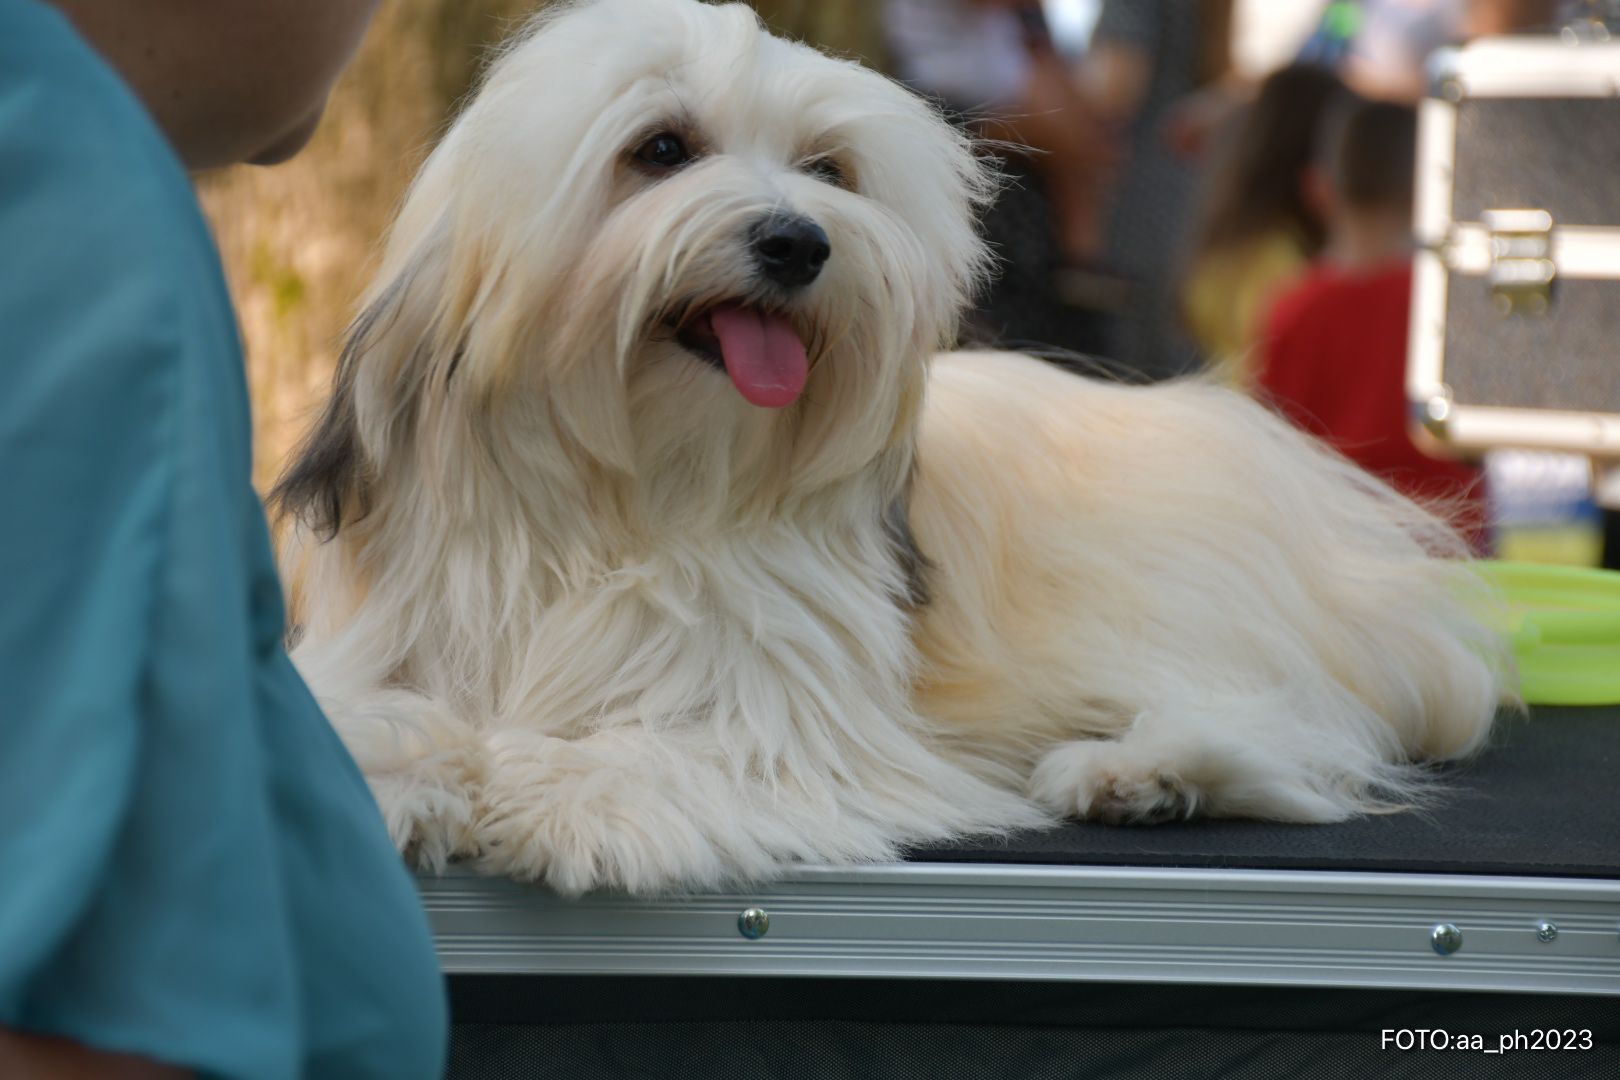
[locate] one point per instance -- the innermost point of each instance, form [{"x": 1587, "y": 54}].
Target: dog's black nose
[{"x": 790, "y": 250}]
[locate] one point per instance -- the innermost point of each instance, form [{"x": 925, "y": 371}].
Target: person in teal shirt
[{"x": 197, "y": 881}]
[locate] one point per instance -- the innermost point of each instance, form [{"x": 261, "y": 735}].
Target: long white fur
[{"x": 591, "y": 617}]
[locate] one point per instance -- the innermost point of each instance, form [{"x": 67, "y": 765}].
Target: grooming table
[{"x": 1508, "y": 886}]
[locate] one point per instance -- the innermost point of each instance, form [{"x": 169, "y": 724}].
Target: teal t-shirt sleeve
[
  {"x": 82, "y": 372},
  {"x": 195, "y": 871}
]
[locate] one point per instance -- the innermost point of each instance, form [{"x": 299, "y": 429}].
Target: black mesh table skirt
[{"x": 808, "y": 1029}]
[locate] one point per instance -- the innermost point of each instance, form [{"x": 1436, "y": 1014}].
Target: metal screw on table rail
[
  {"x": 1547, "y": 931},
  {"x": 754, "y": 923},
  {"x": 1445, "y": 938}
]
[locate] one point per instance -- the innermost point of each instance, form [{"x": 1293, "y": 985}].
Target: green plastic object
[{"x": 1564, "y": 622}]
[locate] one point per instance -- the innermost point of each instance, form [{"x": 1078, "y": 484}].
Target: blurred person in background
[
  {"x": 993, "y": 61},
  {"x": 1381, "y": 47},
  {"x": 993, "y": 65},
  {"x": 1259, "y": 227},
  {"x": 199, "y": 881},
  {"x": 1487, "y": 17},
  {"x": 1148, "y": 58},
  {"x": 1334, "y": 348}
]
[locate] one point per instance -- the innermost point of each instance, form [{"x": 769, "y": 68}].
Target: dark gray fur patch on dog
[
  {"x": 897, "y": 527},
  {"x": 328, "y": 472}
]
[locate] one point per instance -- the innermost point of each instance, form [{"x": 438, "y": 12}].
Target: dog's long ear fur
[
  {"x": 376, "y": 397},
  {"x": 328, "y": 473}
]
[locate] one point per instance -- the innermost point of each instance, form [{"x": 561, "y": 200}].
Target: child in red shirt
[{"x": 1333, "y": 357}]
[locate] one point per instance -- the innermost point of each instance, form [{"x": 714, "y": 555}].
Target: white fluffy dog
[{"x": 645, "y": 542}]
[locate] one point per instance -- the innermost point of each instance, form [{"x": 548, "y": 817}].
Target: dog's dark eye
[
  {"x": 828, "y": 171},
  {"x": 665, "y": 150}
]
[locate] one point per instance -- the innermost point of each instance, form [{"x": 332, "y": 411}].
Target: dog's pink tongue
[{"x": 764, "y": 356}]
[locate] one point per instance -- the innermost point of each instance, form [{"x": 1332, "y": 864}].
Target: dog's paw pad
[
  {"x": 429, "y": 812},
  {"x": 1100, "y": 781},
  {"x": 1138, "y": 800}
]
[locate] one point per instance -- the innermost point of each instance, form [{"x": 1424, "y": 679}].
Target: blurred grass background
[{"x": 299, "y": 239}]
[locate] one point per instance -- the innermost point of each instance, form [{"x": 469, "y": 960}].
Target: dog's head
[{"x": 663, "y": 242}]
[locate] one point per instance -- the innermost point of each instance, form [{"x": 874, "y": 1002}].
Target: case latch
[{"x": 1522, "y": 270}]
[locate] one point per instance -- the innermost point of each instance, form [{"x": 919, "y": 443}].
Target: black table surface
[{"x": 1542, "y": 800}]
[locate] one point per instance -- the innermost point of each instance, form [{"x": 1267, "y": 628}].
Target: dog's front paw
[
  {"x": 587, "y": 815},
  {"x": 429, "y": 807},
  {"x": 1108, "y": 782},
  {"x": 424, "y": 768}
]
